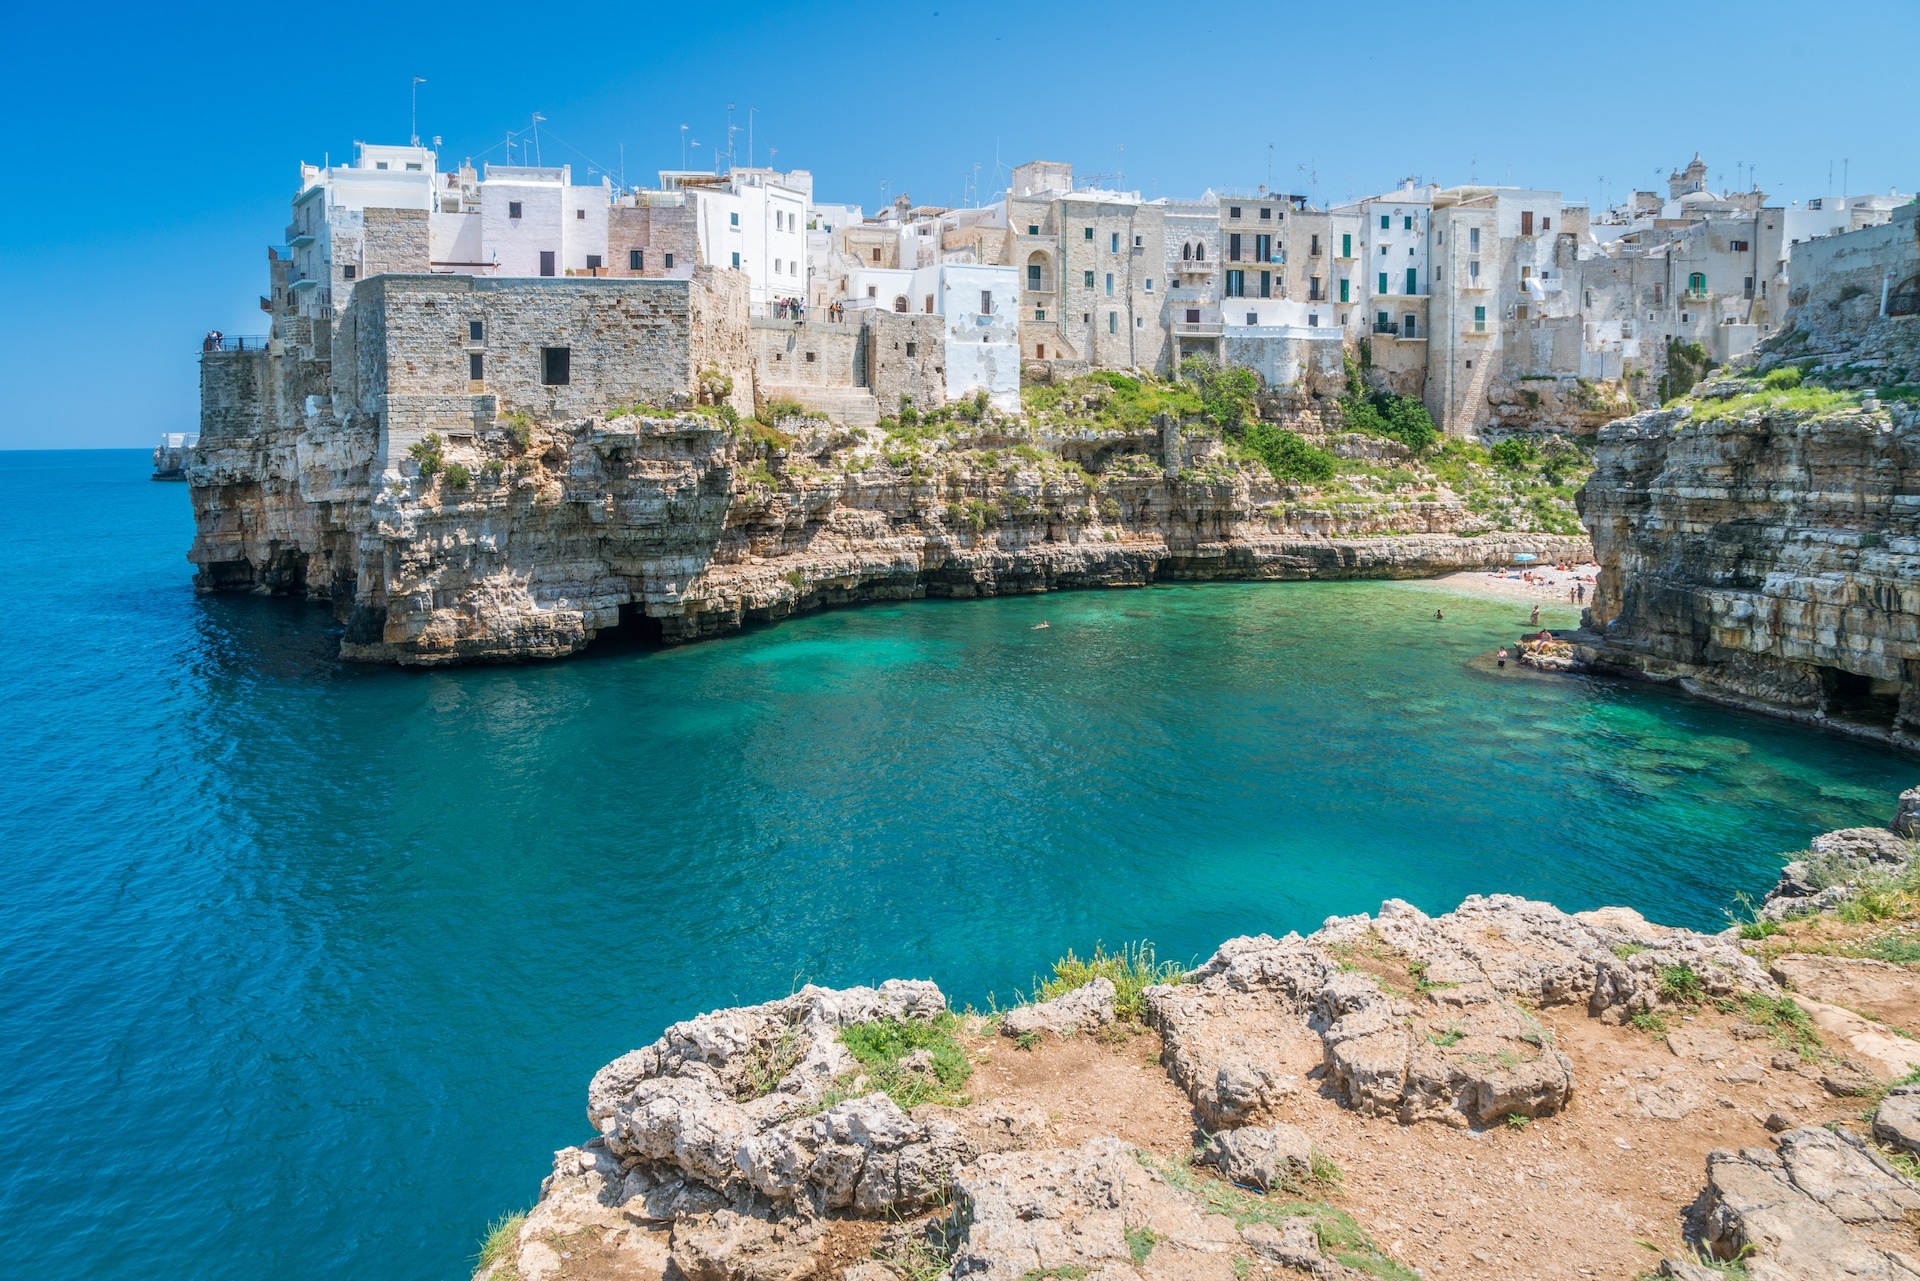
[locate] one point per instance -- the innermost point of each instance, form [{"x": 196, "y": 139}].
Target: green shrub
[
  {"x": 766, "y": 434},
  {"x": 1687, "y": 364},
  {"x": 1515, "y": 452},
  {"x": 430, "y": 453},
  {"x": 1680, "y": 984},
  {"x": 1288, "y": 456},
  {"x": 1783, "y": 378},
  {"x": 1781, "y": 1015},
  {"x": 774, "y": 410},
  {"x": 1132, "y": 970},
  {"x": 519, "y": 430},
  {"x": 459, "y": 476}
]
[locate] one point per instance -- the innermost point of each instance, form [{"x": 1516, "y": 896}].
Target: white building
[
  {"x": 329, "y": 212},
  {"x": 754, "y": 221},
  {"x": 535, "y": 222}
]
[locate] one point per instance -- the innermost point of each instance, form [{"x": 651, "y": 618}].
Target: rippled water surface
[{"x": 304, "y": 968}]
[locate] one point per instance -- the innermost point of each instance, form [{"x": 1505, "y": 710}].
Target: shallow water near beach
[{"x": 305, "y": 966}]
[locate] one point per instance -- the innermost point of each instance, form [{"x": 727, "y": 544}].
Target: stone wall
[
  {"x": 790, "y": 353},
  {"x": 656, "y": 231},
  {"x": 395, "y": 240},
  {"x": 907, "y": 357}
]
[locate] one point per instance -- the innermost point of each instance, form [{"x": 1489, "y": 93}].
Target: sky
[{"x": 157, "y": 147}]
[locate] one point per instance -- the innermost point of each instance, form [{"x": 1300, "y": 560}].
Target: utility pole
[
  {"x": 750, "y": 115},
  {"x": 414, "y": 132}
]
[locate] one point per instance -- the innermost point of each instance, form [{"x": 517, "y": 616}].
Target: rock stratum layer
[{"x": 1503, "y": 1090}]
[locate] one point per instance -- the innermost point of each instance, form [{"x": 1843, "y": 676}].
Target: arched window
[
  {"x": 1037, "y": 274},
  {"x": 899, "y": 302},
  {"x": 1200, "y": 251},
  {"x": 1186, "y": 253},
  {"x": 1697, "y": 284}
]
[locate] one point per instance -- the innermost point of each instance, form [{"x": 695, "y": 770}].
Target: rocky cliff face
[
  {"x": 1472, "y": 1094},
  {"x": 525, "y": 540},
  {"x": 1767, "y": 556}
]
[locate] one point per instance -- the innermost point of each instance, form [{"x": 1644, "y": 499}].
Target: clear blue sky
[{"x": 154, "y": 153}]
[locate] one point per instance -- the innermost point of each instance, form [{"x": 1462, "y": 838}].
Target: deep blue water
[{"x": 304, "y": 967}]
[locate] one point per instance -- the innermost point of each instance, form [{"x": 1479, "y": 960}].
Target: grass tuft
[
  {"x": 1140, "y": 1242},
  {"x": 1132, "y": 970},
  {"x": 1782, "y": 1016},
  {"x": 882, "y": 1047},
  {"x": 1679, "y": 984},
  {"x": 496, "y": 1247}
]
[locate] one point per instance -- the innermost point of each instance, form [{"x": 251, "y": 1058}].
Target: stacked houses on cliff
[{"x": 1505, "y": 309}]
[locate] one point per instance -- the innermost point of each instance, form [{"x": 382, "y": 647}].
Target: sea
[{"x": 305, "y": 966}]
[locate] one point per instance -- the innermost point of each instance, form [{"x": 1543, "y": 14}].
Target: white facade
[
  {"x": 331, "y": 204},
  {"x": 755, "y": 221},
  {"x": 981, "y": 305},
  {"x": 1392, "y": 270},
  {"x": 535, "y": 222}
]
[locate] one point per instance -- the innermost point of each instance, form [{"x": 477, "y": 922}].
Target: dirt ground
[{"x": 1600, "y": 1190}]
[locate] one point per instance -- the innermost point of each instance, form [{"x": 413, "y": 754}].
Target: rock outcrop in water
[{"x": 1336, "y": 1105}]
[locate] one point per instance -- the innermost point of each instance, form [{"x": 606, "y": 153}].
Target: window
[
  {"x": 1193, "y": 315},
  {"x": 556, "y": 366},
  {"x": 1138, "y": 242},
  {"x": 1526, "y": 222},
  {"x": 636, "y": 260},
  {"x": 736, "y": 259},
  {"x": 1313, "y": 288},
  {"x": 1383, "y": 251},
  {"x": 1039, "y": 313},
  {"x": 1479, "y": 320},
  {"x": 350, "y": 272},
  {"x": 912, "y": 349},
  {"x": 1149, "y": 284},
  {"x": 1413, "y": 280},
  {"x": 580, "y": 215},
  {"x": 1748, "y": 287},
  {"x": 593, "y": 262},
  {"x": 1033, "y": 229},
  {"x": 876, "y": 254},
  {"x": 413, "y": 167},
  {"x": 379, "y": 164},
  {"x": 1409, "y": 223},
  {"x": 1267, "y": 214},
  {"x": 1658, "y": 298},
  {"x": 776, "y": 266},
  {"x": 1113, "y": 242},
  {"x": 1266, "y": 284},
  {"x": 1253, "y": 318},
  {"x": 1313, "y": 320},
  {"x": 733, "y": 219},
  {"x": 1313, "y": 249},
  {"x": 1236, "y": 284},
  {"x": 1473, "y": 240},
  {"x": 666, "y": 261},
  {"x": 1473, "y": 269},
  {"x": 810, "y": 358},
  {"x": 1737, "y": 246},
  {"x": 476, "y": 366},
  {"x": 476, "y": 331},
  {"x": 1407, "y": 325},
  {"x": 928, "y": 304},
  {"x": 1033, "y": 276},
  {"x": 1346, "y": 287},
  {"x": 1346, "y": 245},
  {"x": 1697, "y": 284},
  {"x": 1089, "y": 233},
  {"x": 1088, "y": 277},
  {"x": 1383, "y": 283},
  {"x": 1233, "y": 211},
  {"x": 873, "y": 291},
  {"x": 546, "y": 262},
  {"x": 1546, "y": 224},
  {"x": 1039, "y": 351},
  {"x": 1113, "y": 322},
  {"x": 1109, "y": 284},
  {"x": 1263, "y": 248},
  {"x": 513, "y": 208},
  {"x": 1381, "y": 323},
  {"x": 1233, "y": 247}
]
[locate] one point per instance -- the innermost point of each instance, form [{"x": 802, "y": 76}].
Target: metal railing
[{"x": 221, "y": 342}]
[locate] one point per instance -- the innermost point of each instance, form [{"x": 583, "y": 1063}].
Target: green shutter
[{"x": 1383, "y": 282}]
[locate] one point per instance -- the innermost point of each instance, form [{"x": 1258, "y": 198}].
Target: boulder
[
  {"x": 1824, "y": 1207},
  {"x": 1896, "y": 1122},
  {"x": 1262, "y": 1157},
  {"x": 1081, "y": 1010},
  {"x": 1906, "y": 821}
]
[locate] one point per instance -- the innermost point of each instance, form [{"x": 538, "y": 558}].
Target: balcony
[
  {"x": 1477, "y": 282},
  {"x": 1198, "y": 328},
  {"x": 221, "y": 342},
  {"x": 1198, "y": 266}
]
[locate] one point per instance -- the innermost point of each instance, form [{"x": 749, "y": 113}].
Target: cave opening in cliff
[
  {"x": 1860, "y": 700},
  {"x": 635, "y": 630}
]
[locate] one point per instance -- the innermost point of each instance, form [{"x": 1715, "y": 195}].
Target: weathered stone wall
[
  {"x": 395, "y": 240},
  {"x": 791, "y": 353},
  {"x": 656, "y": 231},
  {"x": 1839, "y": 281},
  {"x": 907, "y": 357}
]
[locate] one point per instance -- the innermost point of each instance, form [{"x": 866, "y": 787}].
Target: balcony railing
[
  {"x": 1198, "y": 266},
  {"x": 1198, "y": 328},
  {"x": 220, "y": 342}
]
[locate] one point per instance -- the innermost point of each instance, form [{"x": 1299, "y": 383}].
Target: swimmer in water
[
  {"x": 1037, "y": 626},
  {"x": 1437, "y": 615}
]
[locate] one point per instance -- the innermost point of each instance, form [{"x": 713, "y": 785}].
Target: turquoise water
[{"x": 304, "y": 968}]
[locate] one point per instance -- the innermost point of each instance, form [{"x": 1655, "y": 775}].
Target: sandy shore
[{"x": 1548, "y": 585}]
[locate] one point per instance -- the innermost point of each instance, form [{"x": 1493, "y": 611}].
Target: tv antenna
[{"x": 414, "y": 120}]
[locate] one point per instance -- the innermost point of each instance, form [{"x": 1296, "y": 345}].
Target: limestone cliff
[
  {"x": 1764, "y": 549},
  {"x": 524, "y": 540}
]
